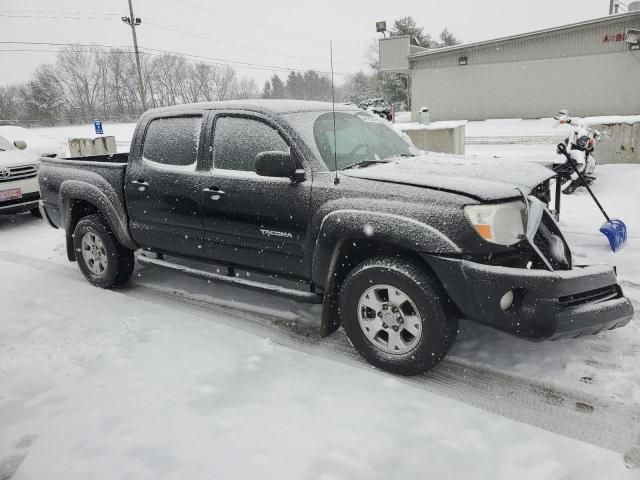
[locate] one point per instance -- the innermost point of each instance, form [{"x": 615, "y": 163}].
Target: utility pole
[
  {"x": 611, "y": 4},
  {"x": 133, "y": 21}
]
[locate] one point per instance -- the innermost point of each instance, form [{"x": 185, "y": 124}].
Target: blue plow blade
[{"x": 616, "y": 233}]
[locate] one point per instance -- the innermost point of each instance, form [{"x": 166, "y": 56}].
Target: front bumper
[
  {"x": 24, "y": 204},
  {"x": 547, "y": 304}
]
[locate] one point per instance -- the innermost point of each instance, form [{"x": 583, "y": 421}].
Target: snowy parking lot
[{"x": 173, "y": 377}]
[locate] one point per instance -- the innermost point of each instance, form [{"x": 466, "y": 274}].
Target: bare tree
[
  {"x": 247, "y": 88},
  {"x": 87, "y": 83},
  {"x": 225, "y": 82}
]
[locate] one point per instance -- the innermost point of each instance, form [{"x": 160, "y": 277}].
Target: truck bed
[{"x": 92, "y": 174}]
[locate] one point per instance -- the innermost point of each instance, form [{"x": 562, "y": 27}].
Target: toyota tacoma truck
[{"x": 397, "y": 244}]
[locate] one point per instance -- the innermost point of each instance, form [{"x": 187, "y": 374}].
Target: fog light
[{"x": 506, "y": 301}]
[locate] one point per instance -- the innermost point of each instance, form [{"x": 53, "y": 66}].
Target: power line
[
  {"x": 160, "y": 52},
  {"x": 236, "y": 44},
  {"x": 241, "y": 23},
  {"x": 62, "y": 13},
  {"x": 192, "y": 34},
  {"x": 56, "y": 17}
]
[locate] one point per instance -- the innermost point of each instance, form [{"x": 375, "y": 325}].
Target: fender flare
[
  {"x": 404, "y": 232},
  {"x": 113, "y": 212},
  {"x": 393, "y": 229}
]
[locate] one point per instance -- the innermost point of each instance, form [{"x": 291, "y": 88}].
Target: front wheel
[
  {"x": 102, "y": 260},
  {"x": 396, "y": 316}
]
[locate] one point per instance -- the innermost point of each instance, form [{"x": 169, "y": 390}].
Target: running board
[{"x": 291, "y": 293}]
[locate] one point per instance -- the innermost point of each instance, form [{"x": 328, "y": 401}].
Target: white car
[
  {"x": 19, "y": 189},
  {"x": 35, "y": 143}
]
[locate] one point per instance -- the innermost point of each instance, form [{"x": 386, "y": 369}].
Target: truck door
[
  {"x": 163, "y": 186},
  {"x": 250, "y": 220}
]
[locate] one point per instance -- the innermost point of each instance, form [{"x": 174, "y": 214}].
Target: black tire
[
  {"x": 439, "y": 321},
  {"x": 35, "y": 212},
  {"x": 119, "y": 260}
]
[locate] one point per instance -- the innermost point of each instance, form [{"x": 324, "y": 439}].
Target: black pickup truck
[{"x": 397, "y": 244}]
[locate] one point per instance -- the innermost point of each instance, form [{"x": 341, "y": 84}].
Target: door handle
[
  {"x": 141, "y": 185},
  {"x": 214, "y": 193}
]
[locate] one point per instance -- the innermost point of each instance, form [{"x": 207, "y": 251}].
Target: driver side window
[{"x": 237, "y": 141}]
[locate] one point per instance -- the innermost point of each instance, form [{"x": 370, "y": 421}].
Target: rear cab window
[{"x": 173, "y": 142}]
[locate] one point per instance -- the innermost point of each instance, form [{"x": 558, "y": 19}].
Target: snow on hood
[
  {"x": 18, "y": 158},
  {"x": 482, "y": 178},
  {"x": 35, "y": 143}
]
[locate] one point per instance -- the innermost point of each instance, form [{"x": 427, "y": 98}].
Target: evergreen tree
[
  {"x": 266, "y": 90},
  {"x": 447, "y": 39},
  {"x": 295, "y": 86},
  {"x": 408, "y": 26},
  {"x": 277, "y": 87}
]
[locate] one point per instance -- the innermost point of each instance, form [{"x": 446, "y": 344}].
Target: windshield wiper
[{"x": 364, "y": 163}]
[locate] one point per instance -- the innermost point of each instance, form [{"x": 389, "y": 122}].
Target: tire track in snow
[{"x": 595, "y": 420}]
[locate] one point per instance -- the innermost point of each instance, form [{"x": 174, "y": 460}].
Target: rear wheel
[
  {"x": 396, "y": 316},
  {"x": 102, "y": 260}
]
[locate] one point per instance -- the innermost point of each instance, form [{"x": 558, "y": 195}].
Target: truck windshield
[{"x": 360, "y": 138}]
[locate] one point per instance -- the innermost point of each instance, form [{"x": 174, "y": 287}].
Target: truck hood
[
  {"x": 35, "y": 143},
  {"x": 18, "y": 158},
  {"x": 480, "y": 178}
]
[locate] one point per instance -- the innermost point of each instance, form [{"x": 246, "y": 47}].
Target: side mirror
[
  {"x": 276, "y": 164},
  {"x": 20, "y": 144}
]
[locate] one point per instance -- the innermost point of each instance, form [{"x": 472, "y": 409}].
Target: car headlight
[{"x": 501, "y": 223}]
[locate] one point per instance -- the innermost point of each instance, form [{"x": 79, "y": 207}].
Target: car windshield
[
  {"x": 5, "y": 144},
  {"x": 360, "y": 138}
]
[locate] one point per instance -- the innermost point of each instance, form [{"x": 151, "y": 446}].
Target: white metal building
[{"x": 590, "y": 68}]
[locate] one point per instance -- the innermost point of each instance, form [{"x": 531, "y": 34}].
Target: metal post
[
  {"x": 611, "y": 3},
  {"x": 132, "y": 23}
]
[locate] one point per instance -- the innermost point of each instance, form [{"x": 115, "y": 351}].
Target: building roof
[{"x": 464, "y": 46}]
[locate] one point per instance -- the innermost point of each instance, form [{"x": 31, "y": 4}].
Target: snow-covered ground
[{"x": 173, "y": 377}]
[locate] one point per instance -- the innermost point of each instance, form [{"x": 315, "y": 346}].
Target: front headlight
[{"x": 502, "y": 223}]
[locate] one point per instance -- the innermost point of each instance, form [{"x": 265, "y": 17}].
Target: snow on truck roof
[{"x": 260, "y": 105}]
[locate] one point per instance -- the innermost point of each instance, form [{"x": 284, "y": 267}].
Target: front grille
[
  {"x": 19, "y": 173},
  {"x": 547, "y": 235},
  {"x": 592, "y": 296}
]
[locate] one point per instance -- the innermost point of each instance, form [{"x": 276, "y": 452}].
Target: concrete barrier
[
  {"x": 85, "y": 147},
  {"x": 621, "y": 143},
  {"x": 444, "y": 137}
]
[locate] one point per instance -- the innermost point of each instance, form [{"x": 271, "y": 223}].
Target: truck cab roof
[{"x": 277, "y": 106}]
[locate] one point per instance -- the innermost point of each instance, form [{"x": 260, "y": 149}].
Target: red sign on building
[{"x": 614, "y": 37}]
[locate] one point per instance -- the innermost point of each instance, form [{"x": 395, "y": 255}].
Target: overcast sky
[{"x": 282, "y": 33}]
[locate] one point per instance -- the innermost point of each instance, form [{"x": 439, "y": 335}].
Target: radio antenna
[{"x": 336, "y": 180}]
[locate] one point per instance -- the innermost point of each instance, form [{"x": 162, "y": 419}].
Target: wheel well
[
  {"x": 78, "y": 209},
  {"x": 349, "y": 253}
]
